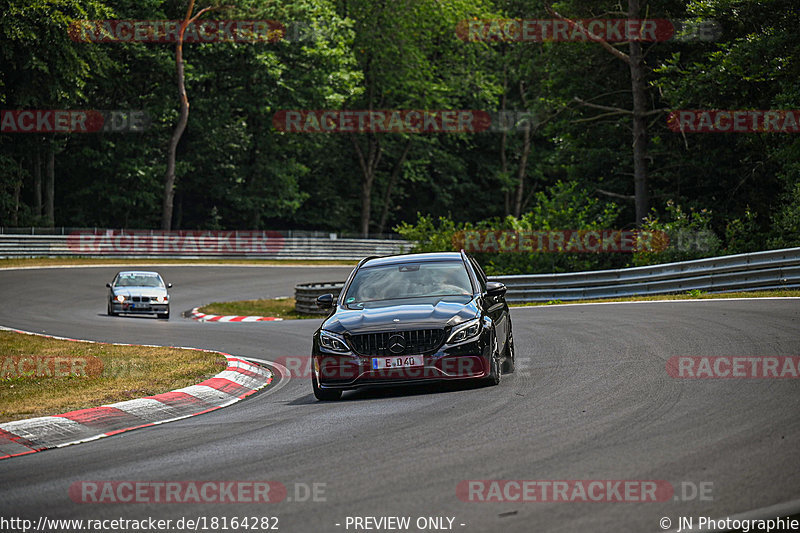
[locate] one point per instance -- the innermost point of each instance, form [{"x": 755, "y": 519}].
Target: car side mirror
[
  {"x": 495, "y": 289},
  {"x": 108, "y": 285},
  {"x": 169, "y": 285},
  {"x": 325, "y": 301}
]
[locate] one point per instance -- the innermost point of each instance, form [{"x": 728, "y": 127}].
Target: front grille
[
  {"x": 141, "y": 299},
  {"x": 418, "y": 341}
]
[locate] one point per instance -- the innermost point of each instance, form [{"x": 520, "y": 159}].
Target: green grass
[
  {"x": 60, "y": 261},
  {"x": 689, "y": 295},
  {"x": 96, "y": 374},
  {"x": 276, "y": 307}
]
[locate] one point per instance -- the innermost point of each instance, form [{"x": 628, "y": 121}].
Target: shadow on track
[{"x": 385, "y": 392}]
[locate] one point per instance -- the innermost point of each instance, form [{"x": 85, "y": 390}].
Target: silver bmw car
[{"x": 138, "y": 292}]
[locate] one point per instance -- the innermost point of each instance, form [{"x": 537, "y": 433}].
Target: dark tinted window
[{"x": 409, "y": 280}]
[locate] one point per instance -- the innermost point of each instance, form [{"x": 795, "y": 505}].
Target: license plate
[{"x": 381, "y": 363}]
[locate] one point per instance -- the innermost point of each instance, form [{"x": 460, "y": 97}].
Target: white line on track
[{"x": 282, "y": 370}]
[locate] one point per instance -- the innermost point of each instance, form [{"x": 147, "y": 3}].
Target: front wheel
[
  {"x": 510, "y": 361},
  {"x": 496, "y": 370},
  {"x": 324, "y": 395},
  {"x": 164, "y": 315},
  {"x": 109, "y": 311}
]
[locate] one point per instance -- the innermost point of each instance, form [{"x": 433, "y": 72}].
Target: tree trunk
[
  {"x": 503, "y": 141},
  {"x": 17, "y": 189},
  {"x": 178, "y": 213},
  {"x": 523, "y": 168},
  {"x": 169, "y": 177},
  {"x": 37, "y": 180},
  {"x": 635, "y": 61},
  {"x": 522, "y": 171},
  {"x": 639, "y": 121},
  {"x": 49, "y": 186},
  {"x": 387, "y": 197},
  {"x": 368, "y": 165}
]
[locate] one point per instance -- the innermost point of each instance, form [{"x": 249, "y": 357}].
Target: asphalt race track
[{"x": 591, "y": 400}]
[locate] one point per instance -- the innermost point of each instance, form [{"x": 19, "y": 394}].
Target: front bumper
[
  {"x": 352, "y": 371},
  {"x": 139, "y": 308}
]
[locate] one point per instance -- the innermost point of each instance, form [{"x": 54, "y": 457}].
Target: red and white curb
[
  {"x": 203, "y": 317},
  {"x": 239, "y": 380}
]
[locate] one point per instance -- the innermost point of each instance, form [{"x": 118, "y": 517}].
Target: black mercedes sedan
[{"x": 409, "y": 319}]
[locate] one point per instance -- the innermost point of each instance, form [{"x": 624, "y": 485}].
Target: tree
[
  {"x": 169, "y": 177},
  {"x": 639, "y": 113},
  {"x": 411, "y": 58},
  {"x": 42, "y": 68}
]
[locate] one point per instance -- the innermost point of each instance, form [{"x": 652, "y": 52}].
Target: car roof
[
  {"x": 415, "y": 258},
  {"x": 137, "y": 273}
]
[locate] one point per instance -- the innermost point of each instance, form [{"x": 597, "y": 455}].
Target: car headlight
[
  {"x": 467, "y": 330},
  {"x": 162, "y": 299},
  {"x": 120, "y": 298},
  {"x": 333, "y": 342}
]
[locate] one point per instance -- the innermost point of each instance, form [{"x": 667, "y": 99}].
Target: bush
[
  {"x": 786, "y": 222},
  {"x": 564, "y": 206},
  {"x": 743, "y": 235},
  {"x": 690, "y": 236}
]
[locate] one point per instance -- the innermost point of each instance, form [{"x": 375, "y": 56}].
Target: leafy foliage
[{"x": 568, "y": 167}]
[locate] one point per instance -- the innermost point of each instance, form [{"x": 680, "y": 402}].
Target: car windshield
[
  {"x": 409, "y": 280},
  {"x": 138, "y": 280}
]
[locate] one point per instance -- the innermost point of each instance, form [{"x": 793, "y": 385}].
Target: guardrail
[
  {"x": 195, "y": 245},
  {"x": 774, "y": 269}
]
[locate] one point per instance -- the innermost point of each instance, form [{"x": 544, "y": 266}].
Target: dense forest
[{"x": 580, "y": 135}]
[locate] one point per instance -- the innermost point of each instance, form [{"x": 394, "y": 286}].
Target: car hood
[
  {"x": 140, "y": 291},
  {"x": 412, "y": 313}
]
